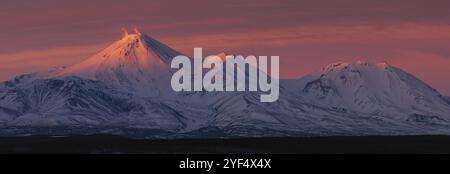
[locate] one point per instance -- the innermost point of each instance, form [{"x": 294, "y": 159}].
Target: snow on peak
[
  {"x": 341, "y": 66},
  {"x": 133, "y": 52},
  {"x": 371, "y": 88},
  {"x": 224, "y": 56},
  {"x": 134, "y": 60}
]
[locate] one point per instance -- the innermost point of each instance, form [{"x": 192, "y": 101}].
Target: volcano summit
[
  {"x": 236, "y": 74},
  {"x": 125, "y": 90}
]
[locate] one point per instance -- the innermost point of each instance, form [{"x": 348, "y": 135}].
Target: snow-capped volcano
[
  {"x": 136, "y": 62},
  {"x": 127, "y": 86},
  {"x": 373, "y": 88}
]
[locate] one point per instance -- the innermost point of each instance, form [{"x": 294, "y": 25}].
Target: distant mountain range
[{"x": 125, "y": 90}]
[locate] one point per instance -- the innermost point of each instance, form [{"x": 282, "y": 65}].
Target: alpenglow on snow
[{"x": 125, "y": 90}]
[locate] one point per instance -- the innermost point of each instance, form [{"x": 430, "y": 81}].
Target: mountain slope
[
  {"x": 127, "y": 87},
  {"x": 73, "y": 101},
  {"x": 136, "y": 62},
  {"x": 377, "y": 89}
]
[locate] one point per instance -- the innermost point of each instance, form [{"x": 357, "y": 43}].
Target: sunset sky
[{"x": 307, "y": 35}]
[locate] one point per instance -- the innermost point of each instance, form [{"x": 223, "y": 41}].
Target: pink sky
[{"x": 307, "y": 35}]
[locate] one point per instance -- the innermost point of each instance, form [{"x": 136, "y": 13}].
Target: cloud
[
  {"x": 27, "y": 61},
  {"x": 319, "y": 35},
  {"x": 302, "y": 49},
  {"x": 430, "y": 67}
]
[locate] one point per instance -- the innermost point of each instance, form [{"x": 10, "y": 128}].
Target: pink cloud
[
  {"x": 318, "y": 34},
  {"x": 430, "y": 67},
  {"x": 28, "y": 61},
  {"x": 302, "y": 48}
]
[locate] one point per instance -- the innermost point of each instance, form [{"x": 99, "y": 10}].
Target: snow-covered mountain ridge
[
  {"x": 372, "y": 89},
  {"x": 127, "y": 87}
]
